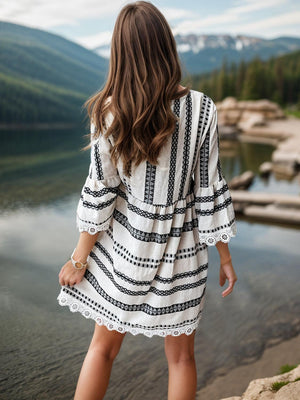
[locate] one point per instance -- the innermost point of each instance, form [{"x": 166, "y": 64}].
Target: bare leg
[
  {"x": 182, "y": 367},
  {"x": 96, "y": 368}
]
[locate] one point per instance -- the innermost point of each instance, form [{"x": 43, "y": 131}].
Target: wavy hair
[{"x": 143, "y": 78}]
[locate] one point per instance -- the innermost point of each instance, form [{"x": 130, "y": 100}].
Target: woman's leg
[
  {"x": 96, "y": 368},
  {"x": 182, "y": 367}
]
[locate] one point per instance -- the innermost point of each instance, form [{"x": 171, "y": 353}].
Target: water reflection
[
  {"x": 41, "y": 166},
  {"x": 41, "y": 175}
]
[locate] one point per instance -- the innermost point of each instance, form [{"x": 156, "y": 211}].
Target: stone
[
  {"x": 290, "y": 391},
  {"x": 242, "y": 181},
  {"x": 265, "y": 168},
  {"x": 233, "y": 398},
  {"x": 230, "y": 117},
  {"x": 247, "y": 114},
  {"x": 228, "y": 103},
  {"x": 261, "y": 389},
  {"x": 250, "y": 119}
]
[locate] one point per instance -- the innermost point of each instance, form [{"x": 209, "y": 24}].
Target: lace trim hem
[
  {"x": 210, "y": 239},
  {"x": 75, "y": 306}
]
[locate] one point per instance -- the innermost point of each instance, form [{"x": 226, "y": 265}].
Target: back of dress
[
  {"x": 188, "y": 163},
  {"x": 147, "y": 271}
]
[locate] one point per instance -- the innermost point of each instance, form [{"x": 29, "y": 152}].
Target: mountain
[
  {"x": 44, "y": 77},
  {"x": 203, "y": 53}
]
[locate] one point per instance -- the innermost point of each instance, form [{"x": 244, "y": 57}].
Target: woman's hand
[
  {"x": 227, "y": 272},
  {"x": 69, "y": 275}
]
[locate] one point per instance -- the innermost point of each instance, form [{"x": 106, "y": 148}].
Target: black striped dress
[{"x": 148, "y": 268}]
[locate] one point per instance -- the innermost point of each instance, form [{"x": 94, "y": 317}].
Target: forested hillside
[
  {"x": 277, "y": 79},
  {"x": 44, "y": 77}
]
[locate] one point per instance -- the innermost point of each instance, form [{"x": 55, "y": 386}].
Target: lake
[{"x": 43, "y": 344}]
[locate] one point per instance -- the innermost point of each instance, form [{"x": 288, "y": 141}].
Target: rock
[
  {"x": 227, "y": 132},
  {"x": 272, "y": 213},
  {"x": 265, "y": 168},
  {"x": 257, "y": 387},
  {"x": 250, "y": 119},
  {"x": 233, "y": 398},
  {"x": 269, "y": 109},
  {"x": 262, "y": 198},
  {"x": 264, "y": 121},
  {"x": 284, "y": 170},
  {"x": 242, "y": 181},
  {"x": 290, "y": 392},
  {"x": 229, "y": 117},
  {"x": 270, "y": 207},
  {"x": 261, "y": 389},
  {"x": 247, "y": 113},
  {"x": 287, "y": 152},
  {"x": 228, "y": 103}
]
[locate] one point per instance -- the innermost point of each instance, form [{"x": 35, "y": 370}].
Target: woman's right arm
[
  {"x": 224, "y": 252},
  {"x": 213, "y": 202}
]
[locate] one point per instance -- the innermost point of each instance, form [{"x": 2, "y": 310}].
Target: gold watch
[{"x": 78, "y": 264}]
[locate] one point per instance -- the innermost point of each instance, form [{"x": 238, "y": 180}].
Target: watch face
[{"x": 78, "y": 265}]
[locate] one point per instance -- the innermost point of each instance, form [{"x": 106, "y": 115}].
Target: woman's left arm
[
  {"x": 68, "y": 274},
  {"x": 95, "y": 207}
]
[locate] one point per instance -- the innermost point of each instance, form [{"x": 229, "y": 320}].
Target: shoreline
[
  {"x": 38, "y": 125},
  {"x": 235, "y": 382},
  {"x": 262, "y": 121}
]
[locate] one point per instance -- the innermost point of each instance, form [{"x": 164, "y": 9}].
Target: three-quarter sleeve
[
  {"x": 100, "y": 190},
  {"x": 213, "y": 202}
]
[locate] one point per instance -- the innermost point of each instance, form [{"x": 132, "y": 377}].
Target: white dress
[{"x": 148, "y": 268}]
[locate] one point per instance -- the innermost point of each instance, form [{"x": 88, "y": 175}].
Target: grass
[
  {"x": 277, "y": 385},
  {"x": 283, "y": 369},
  {"x": 286, "y": 368},
  {"x": 292, "y": 111}
]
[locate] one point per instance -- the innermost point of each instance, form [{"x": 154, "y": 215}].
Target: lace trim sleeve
[
  {"x": 213, "y": 202},
  {"x": 215, "y": 212},
  {"x": 100, "y": 190}
]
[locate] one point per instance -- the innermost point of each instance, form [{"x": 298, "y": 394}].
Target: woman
[{"x": 155, "y": 198}]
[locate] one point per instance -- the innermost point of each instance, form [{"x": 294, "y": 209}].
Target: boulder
[
  {"x": 227, "y": 132},
  {"x": 242, "y": 181},
  {"x": 229, "y": 103},
  {"x": 269, "y": 109},
  {"x": 229, "y": 117},
  {"x": 290, "y": 391},
  {"x": 246, "y": 114},
  {"x": 265, "y": 168},
  {"x": 250, "y": 119},
  {"x": 261, "y": 389}
]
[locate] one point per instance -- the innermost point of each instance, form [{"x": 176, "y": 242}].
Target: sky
[{"x": 91, "y": 22}]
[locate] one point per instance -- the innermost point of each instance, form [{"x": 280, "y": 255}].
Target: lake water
[{"x": 43, "y": 344}]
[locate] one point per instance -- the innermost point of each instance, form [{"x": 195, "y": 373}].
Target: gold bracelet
[
  {"x": 76, "y": 263},
  {"x": 225, "y": 262}
]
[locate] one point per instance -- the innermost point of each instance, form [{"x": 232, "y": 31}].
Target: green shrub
[
  {"x": 277, "y": 385},
  {"x": 286, "y": 368}
]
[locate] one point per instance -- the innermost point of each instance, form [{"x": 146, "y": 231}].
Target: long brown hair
[{"x": 143, "y": 78}]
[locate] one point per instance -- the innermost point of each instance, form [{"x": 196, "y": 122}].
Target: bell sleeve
[
  {"x": 100, "y": 190},
  {"x": 213, "y": 202}
]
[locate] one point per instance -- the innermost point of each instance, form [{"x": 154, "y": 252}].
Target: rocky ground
[
  {"x": 252, "y": 381},
  {"x": 264, "y": 121},
  {"x": 262, "y": 389}
]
